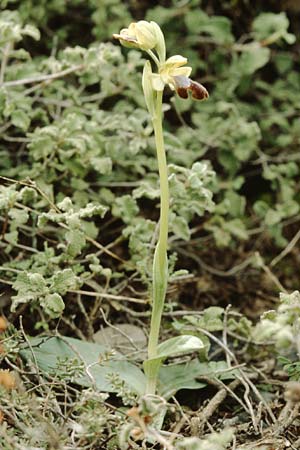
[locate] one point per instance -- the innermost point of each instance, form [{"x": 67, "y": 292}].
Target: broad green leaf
[
  {"x": 48, "y": 351},
  {"x": 174, "y": 377},
  {"x": 172, "y": 347},
  {"x": 178, "y": 376},
  {"x": 179, "y": 345},
  {"x": 8, "y": 196}
]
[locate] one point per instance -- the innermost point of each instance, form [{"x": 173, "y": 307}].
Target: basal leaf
[{"x": 48, "y": 352}]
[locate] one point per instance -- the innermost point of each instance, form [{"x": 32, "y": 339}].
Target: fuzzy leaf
[
  {"x": 76, "y": 241},
  {"x": 20, "y": 119},
  {"x": 30, "y": 287},
  {"x": 63, "y": 281},
  {"x": 253, "y": 59},
  {"x": 53, "y": 305},
  {"x": 125, "y": 207},
  {"x": 270, "y": 24}
]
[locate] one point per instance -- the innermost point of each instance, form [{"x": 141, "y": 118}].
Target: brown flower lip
[{"x": 184, "y": 84}]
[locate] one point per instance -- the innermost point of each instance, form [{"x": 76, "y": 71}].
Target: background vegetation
[{"x": 79, "y": 205}]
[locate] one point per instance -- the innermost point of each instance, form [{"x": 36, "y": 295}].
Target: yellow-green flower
[
  {"x": 176, "y": 76},
  {"x": 170, "y": 69}
]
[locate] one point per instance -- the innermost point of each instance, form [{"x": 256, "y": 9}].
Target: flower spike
[{"x": 148, "y": 36}]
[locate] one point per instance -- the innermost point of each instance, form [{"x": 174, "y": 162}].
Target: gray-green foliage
[
  {"x": 214, "y": 441},
  {"x": 76, "y": 131},
  {"x": 282, "y": 326},
  {"x": 78, "y": 173},
  {"x": 33, "y": 287}
]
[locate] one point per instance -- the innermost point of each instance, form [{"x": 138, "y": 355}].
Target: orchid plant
[{"x": 147, "y": 36}]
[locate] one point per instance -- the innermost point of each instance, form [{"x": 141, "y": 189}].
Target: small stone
[
  {"x": 7, "y": 379},
  {"x": 292, "y": 391},
  {"x": 3, "y": 324}
]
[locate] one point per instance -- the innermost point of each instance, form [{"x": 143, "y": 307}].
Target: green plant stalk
[{"x": 160, "y": 262}]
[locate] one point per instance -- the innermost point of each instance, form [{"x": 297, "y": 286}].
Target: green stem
[
  {"x": 163, "y": 176},
  {"x": 153, "y": 56},
  {"x": 160, "y": 263}
]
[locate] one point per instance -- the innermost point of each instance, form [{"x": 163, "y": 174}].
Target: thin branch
[
  {"x": 5, "y": 57},
  {"x": 109, "y": 296},
  {"x": 287, "y": 250},
  {"x": 41, "y": 78}
]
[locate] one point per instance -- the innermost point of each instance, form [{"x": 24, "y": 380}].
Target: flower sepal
[{"x": 148, "y": 89}]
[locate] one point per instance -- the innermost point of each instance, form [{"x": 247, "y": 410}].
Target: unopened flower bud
[
  {"x": 146, "y": 35},
  {"x": 143, "y": 35},
  {"x": 127, "y": 37}
]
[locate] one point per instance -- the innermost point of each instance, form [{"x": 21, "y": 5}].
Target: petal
[
  {"x": 157, "y": 82},
  {"x": 182, "y": 82},
  {"x": 166, "y": 78},
  {"x": 176, "y": 60},
  {"x": 126, "y": 40},
  {"x": 131, "y": 30},
  {"x": 127, "y": 36},
  {"x": 181, "y": 71},
  {"x": 145, "y": 34}
]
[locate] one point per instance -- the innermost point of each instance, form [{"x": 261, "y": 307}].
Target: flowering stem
[
  {"x": 160, "y": 262},
  {"x": 153, "y": 56}
]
